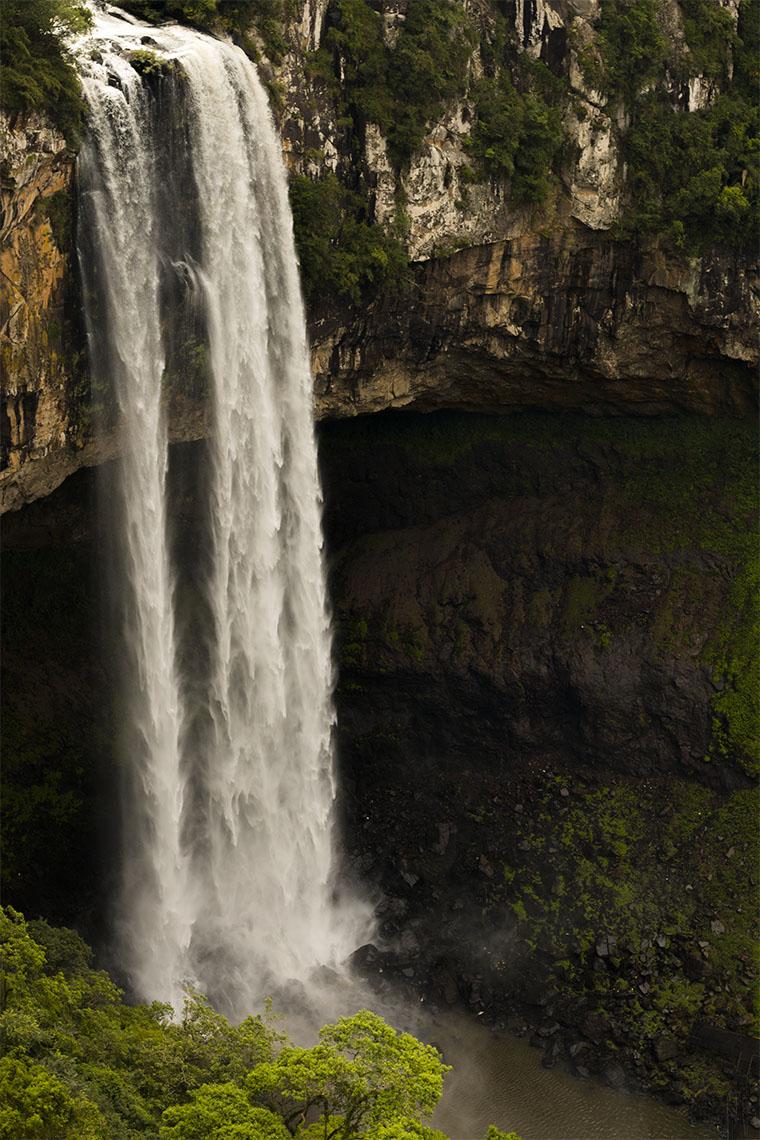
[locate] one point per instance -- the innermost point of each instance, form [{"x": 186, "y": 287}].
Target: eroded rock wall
[
  {"x": 41, "y": 410},
  {"x": 545, "y": 634}
]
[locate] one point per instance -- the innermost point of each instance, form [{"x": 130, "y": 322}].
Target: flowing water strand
[
  {"x": 237, "y": 853},
  {"x": 121, "y": 277}
]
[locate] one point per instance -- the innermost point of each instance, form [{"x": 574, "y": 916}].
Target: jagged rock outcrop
[
  {"x": 40, "y": 408},
  {"x": 567, "y": 318}
]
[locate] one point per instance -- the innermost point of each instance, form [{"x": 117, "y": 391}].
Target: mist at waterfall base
[{"x": 229, "y": 877}]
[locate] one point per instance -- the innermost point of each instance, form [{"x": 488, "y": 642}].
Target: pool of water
[{"x": 499, "y": 1079}]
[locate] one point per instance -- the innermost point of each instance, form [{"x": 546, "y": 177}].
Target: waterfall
[{"x": 229, "y": 878}]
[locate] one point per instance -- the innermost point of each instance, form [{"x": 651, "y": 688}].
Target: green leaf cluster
[
  {"x": 633, "y": 45},
  {"x": 403, "y": 86},
  {"x": 710, "y": 36},
  {"x": 340, "y": 252},
  {"x": 694, "y": 177},
  {"x": 37, "y": 72},
  {"x": 78, "y": 1062},
  {"x": 516, "y": 136}
]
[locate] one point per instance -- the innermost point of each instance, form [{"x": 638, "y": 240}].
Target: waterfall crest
[{"x": 229, "y": 865}]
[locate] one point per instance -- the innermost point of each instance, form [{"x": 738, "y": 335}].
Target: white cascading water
[{"x": 229, "y": 867}]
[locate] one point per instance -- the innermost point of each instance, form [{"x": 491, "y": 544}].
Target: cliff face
[
  {"x": 507, "y": 306},
  {"x": 544, "y": 628},
  {"x": 41, "y": 401},
  {"x": 562, "y": 319}
]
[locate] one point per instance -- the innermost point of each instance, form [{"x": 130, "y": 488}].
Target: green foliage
[
  {"x": 148, "y": 63},
  {"x": 428, "y": 67},
  {"x": 710, "y": 35},
  {"x": 540, "y": 141},
  {"x": 340, "y": 253},
  {"x": 661, "y": 869},
  {"x": 634, "y": 46},
  {"x": 694, "y": 177},
  {"x": 34, "y": 1103},
  {"x": 216, "y": 1112},
  {"x": 498, "y": 124},
  {"x": 362, "y": 1074},
  {"x": 735, "y": 660},
  {"x": 80, "y": 1064},
  {"x": 517, "y": 135},
  {"x": 356, "y": 38},
  {"x": 37, "y": 71},
  {"x": 400, "y": 88}
]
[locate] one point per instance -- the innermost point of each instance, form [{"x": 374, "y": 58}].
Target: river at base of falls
[
  {"x": 496, "y": 1077},
  {"x": 499, "y": 1079}
]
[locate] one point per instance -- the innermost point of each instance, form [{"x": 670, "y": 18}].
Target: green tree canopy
[
  {"x": 37, "y": 71},
  {"x": 79, "y": 1063}
]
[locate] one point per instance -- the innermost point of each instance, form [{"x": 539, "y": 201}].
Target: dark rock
[
  {"x": 549, "y": 1030},
  {"x": 667, "y": 1047},
  {"x": 606, "y": 945},
  {"x": 614, "y": 1076},
  {"x": 596, "y": 1026}
]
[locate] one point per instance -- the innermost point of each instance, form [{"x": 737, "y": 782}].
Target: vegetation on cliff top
[{"x": 400, "y": 86}]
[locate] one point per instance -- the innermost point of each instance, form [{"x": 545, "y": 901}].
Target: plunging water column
[{"x": 229, "y": 863}]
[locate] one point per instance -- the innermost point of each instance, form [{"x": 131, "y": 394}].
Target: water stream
[{"x": 229, "y": 870}]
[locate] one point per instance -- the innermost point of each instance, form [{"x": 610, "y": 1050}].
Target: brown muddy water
[{"x": 498, "y": 1079}]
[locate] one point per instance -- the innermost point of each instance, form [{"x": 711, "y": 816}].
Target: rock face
[
  {"x": 41, "y": 408},
  {"x": 565, "y": 319},
  {"x": 543, "y": 617},
  {"x": 532, "y": 618},
  {"x": 506, "y": 308},
  {"x": 527, "y": 586}
]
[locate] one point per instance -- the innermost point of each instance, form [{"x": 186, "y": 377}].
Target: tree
[
  {"x": 361, "y": 1077},
  {"x": 38, "y": 73},
  {"x": 36, "y": 1105},
  {"x": 216, "y": 1112}
]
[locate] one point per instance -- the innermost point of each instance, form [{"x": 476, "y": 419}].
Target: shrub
[
  {"x": 340, "y": 253},
  {"x": 37, "y": 70},
  {"x": 516, "y": 136},
  {"x": 400, "y": 88},
  {"x": 633, "y": 45}
]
